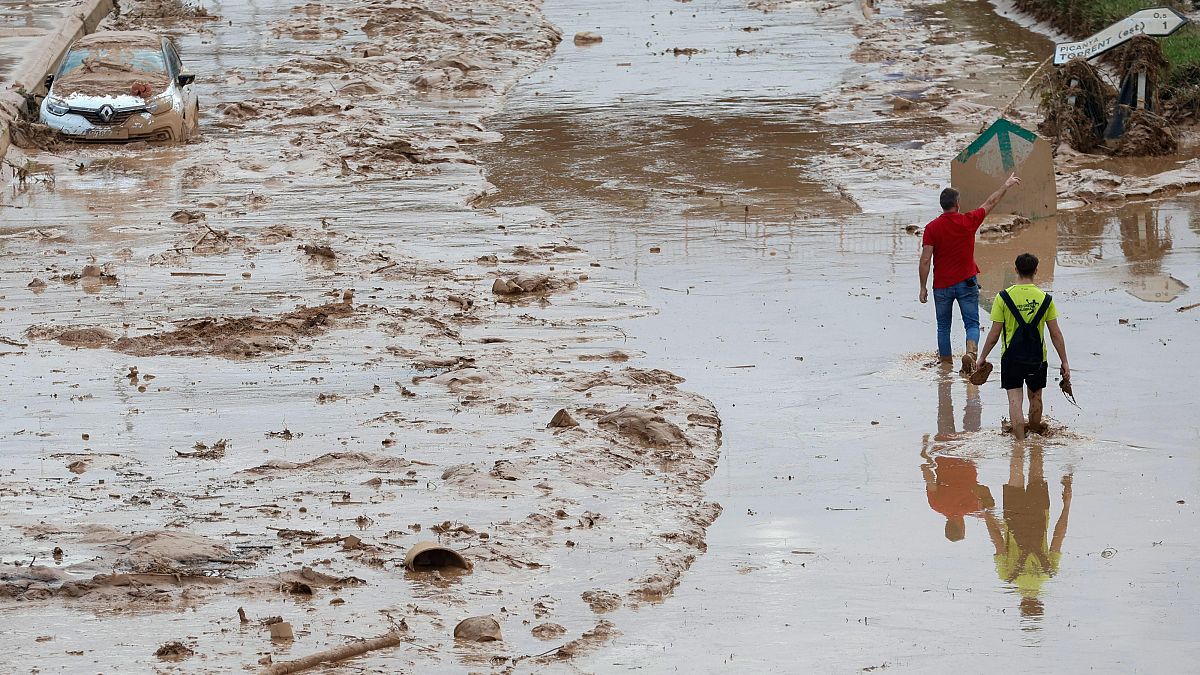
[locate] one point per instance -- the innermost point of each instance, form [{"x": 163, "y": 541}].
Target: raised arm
[
  {"x": 926, "y": 260},
  {"x": 992, "y": 201},
  {"x": 1060, "y": 346}
]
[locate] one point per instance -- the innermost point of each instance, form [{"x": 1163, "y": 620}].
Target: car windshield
[{"x": 113, "y": 59}]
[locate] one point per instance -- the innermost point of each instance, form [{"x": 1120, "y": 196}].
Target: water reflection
[
  {"x": 952, "y": 483},
  {"x": 1024, "y": 559},
  {"x": 995, "y": 257}
]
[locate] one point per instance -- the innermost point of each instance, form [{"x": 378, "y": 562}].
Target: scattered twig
[{"x": 335, "y": 654}]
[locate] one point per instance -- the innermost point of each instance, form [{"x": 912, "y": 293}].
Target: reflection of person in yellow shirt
[{"x": 1022, "y": 555}]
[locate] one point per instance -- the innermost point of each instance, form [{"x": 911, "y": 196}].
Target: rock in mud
[
  {"x": 588, "y": 37},
  {"x": 478, "y": 629},
  {"x": 645, "y": 426},
  {"x": 562, "y": 419}
]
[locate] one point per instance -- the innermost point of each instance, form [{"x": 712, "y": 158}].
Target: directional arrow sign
[
  {"x": 1155, "y": 22},
  {"x": 1006, "y": 148}
]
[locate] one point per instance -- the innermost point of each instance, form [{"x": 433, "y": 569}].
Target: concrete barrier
[{"x": 30, "y": 74}]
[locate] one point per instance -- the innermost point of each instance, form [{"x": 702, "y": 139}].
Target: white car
[{"x": 121, "y": 86}]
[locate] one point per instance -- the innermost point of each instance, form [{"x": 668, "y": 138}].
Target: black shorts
[{"x": 1012, "y": 376}]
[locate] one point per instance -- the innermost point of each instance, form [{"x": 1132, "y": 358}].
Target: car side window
[{"x": 173, "y": 61}]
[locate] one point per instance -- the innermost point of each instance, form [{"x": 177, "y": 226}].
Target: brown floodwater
[{"x": 798, "y": 317}]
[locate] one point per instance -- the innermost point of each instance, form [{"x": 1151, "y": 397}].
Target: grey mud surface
[{"x": 736, "y": 215}]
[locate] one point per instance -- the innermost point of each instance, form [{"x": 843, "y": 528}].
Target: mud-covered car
[{"x": 121, "y": 86}]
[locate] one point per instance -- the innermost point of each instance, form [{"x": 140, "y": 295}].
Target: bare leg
[
  {"x": 1035, "y": 410},
  {"x": 1016, "y": 401}
]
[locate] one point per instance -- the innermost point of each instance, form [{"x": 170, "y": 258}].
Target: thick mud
[
  {"x": 254, "y": 371},
  {"x": 665, "y": 385}
]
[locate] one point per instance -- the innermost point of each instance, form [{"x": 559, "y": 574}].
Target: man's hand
[
  {"x": 1065, "y": 371},
  {"x": 979, "y": 364},
  {"x": 1012, "y": 180},
  {"x": 924, "y": 295},
  {"x": 1066, "y": 483}
]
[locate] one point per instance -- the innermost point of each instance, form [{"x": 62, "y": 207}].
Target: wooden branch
[{"x": 335, "y": 654}]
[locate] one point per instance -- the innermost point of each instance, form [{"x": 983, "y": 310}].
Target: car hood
[{"x": 81, "y": 87}]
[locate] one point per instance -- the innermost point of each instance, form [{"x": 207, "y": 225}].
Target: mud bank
[{"x": 257, "y": 369}]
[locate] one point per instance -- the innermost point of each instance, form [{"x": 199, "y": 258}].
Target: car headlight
[
  {"x": 159, "y": 104},
  {"x": 57, "y": 107}
]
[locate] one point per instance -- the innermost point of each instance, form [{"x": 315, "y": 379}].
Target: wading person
[
  {"x": 949, "y": 245},
  {"x": 1021, "y": 313}
]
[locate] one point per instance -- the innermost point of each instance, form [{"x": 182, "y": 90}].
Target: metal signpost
[{"x": 1155, "y": 22}]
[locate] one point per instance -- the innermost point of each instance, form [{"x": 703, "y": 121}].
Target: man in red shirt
[{"x": 949, "y": 244}]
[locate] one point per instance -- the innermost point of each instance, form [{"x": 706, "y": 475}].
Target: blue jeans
[{"x": 967, "y": 297}]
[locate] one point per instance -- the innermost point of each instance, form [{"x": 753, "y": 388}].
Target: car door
[{"x": 187, "y": 92}]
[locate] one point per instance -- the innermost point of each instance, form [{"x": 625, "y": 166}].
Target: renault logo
[{"x": 106, "y": 113}]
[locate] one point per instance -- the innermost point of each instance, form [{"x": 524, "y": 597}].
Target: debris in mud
[
  {"x": 588, "y": 38},
  {"x": 1146, "y": 135},
  {"x": 530, "y": 284},
  {"x": 430, "y": 555},
  {"x": 72, "y": 337},
  {"x": 37, "y": 284},
  {"x": 478, "y": 629},
  {"x": 603, "y": 632},
  {"x": 29, "y": 135},
  {"x": 645, "y": 426},
  {"x": 601, "y": 601},
  {"x": 174, "y": 651},
  {"x": 1005, "y": 225},
  {"x": 319, "y": 250},
  {"x": 238, "y": 338},
  {"x": 185, "y": 217},
  {"x": 548, "y": 631},
  {"x": 203, "y": 451},
  {"x": 562, "y": 419},
  {"x": 282, "y": 630},
  {"x": 1075, "y": 105}
]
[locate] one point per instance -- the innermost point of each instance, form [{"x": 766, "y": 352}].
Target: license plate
[{"x": 98, "y": 132}]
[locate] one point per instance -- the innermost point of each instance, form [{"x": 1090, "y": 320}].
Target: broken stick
[{"x": 335, "y": 654}]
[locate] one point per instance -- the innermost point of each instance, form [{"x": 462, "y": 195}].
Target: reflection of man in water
[
  {"x": 951, "y": 483},
  {"x": 1022, "y": 555}
]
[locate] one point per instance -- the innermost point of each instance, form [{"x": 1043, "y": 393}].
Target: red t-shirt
[
  {"x": 952, "y": 236},
  {"x": 955, "y": 491}
]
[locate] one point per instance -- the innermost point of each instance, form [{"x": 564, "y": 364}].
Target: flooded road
[
  {"x": 253, "y": 371},
  {"x": 845, "y": 454}
]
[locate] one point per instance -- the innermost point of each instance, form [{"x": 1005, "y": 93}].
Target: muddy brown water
[{"x": 797, "y": 315}]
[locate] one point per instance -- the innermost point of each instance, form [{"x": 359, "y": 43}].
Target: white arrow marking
[{"x": 1156, "y": 22}]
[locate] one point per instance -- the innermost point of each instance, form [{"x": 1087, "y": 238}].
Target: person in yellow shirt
[{"x": 1021, "y": 313}]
